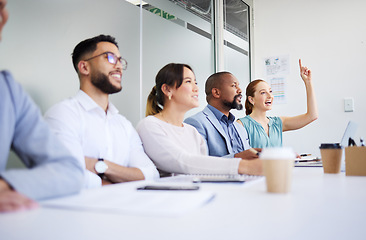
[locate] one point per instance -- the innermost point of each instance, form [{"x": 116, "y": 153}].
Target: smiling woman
[
  {"x": 266, "y": 131},
  {"x": 176, "y": 91},
  {"x": 174, "y": 146}
]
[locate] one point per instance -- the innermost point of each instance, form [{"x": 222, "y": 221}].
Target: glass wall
[
  {"x": 184, "y": 32},
  {"x": 236, "y": 35},
  {"x": 179, "y": 32},
  {"x": 149, "y": 36}
]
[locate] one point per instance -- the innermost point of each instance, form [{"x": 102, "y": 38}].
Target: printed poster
[{"x": 277, "y": 70}]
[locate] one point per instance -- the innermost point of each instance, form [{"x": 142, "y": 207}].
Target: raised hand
[{"x": 305, "y": 72}]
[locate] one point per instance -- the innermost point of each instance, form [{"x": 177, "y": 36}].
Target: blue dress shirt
[
  {"x": 227, "y": 124},
  {"x": 51, "y": 170}
]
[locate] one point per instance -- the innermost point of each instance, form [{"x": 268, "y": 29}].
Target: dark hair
[
  {"x": 250, "y": 92},
  {"x": 89, "y": 46},
  {"x": 213, "y": 81},
  {"x": 171, "y": 75}
]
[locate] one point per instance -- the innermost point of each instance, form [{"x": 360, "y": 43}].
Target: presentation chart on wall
[{"x": 277, "y": 70}]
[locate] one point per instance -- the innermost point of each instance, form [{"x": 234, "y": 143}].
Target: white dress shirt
[
  {"x": 88, "y": 131},
  {"x": 181, "y": 149}
]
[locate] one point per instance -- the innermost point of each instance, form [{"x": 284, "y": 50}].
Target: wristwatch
[{"x": 100, "y": 167}]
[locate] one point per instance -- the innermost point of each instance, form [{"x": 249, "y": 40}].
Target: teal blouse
[{"x": 258, "y": 138}]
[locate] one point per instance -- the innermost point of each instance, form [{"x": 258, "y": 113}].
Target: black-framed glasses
[{"x": 112, "y": 58}]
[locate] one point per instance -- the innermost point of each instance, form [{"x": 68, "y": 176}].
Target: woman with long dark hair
[{"x": 176, "y": 147}]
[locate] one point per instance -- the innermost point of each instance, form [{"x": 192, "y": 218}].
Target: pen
[
  {"x": 305, "y": 154},
  {"x": 309, "y": 160},
  {"x": 254, "y": 151}
]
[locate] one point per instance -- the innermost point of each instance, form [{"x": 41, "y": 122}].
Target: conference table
[{"x": 319, "y": 206}]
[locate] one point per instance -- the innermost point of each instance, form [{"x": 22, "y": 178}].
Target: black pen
[
  {"x": 309, "y": 160},
  {"x": 305, "y": 154}
]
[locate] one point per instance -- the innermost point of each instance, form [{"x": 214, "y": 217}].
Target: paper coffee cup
[
  {"x": 331, "y": 154},
  {"x": 277, "y": 165}
]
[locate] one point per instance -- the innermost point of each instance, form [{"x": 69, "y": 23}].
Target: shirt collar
[
  {"x": 89, "y": 104},
  {"x": 219, "y": 115}
]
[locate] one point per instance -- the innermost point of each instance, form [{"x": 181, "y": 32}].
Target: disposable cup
[
  {"x": 331, "y": 154},
  {"x": 278, "y": 164}
]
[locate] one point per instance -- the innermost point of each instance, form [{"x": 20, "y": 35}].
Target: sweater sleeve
[{"x": 170, "y": 156}]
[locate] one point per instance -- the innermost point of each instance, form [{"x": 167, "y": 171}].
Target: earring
[{"x": 170, "y": 97}]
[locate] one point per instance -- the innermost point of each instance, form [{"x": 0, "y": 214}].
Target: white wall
[
  {"x": 330, "y": 37},
  {"x": 40, "y": 36}
]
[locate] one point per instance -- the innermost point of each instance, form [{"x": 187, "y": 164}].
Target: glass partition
[
  {"x": 174, "y": 32},
  {"x": 183, "y": 31},
  {"x": 150, "y": 34},
  {"x": 236, "y": 42}
]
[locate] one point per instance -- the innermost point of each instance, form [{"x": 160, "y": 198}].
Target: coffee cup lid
[
  {"x": 330, "y": 145},
  {"x": 277, "y": 153}
]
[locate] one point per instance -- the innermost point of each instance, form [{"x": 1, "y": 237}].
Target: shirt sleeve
[
  {"x": 67, "y": 124},
  {"x": 198, "y": 126},
  {"x": 51, "y": 170},
  {"x": 138, "y": 157},
  {"x": 170, "y": 157},
  {"x": 202, "y": 131}
]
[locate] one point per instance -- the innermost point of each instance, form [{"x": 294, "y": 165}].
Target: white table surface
[{"x": 319, "y": 206}]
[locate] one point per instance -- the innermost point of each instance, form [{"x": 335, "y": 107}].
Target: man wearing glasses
[{"x": 104, "y": 141}]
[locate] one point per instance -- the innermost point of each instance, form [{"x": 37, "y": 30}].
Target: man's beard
[
  {"x": 234, "y": 104},
  {"x": 101, "y": 81}
]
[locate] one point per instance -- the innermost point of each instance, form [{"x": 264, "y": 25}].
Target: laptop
[
  {"x": 315, "y": 162},
  {"x": 349, "y": 133}
]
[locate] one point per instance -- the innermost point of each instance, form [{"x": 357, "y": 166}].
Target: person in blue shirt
[
  {"x": 224, "y": 137},
  {"x": 51, "y": 170},
  {"x": 266, "y": 131},
  {"x": 176, "y": 147}
]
